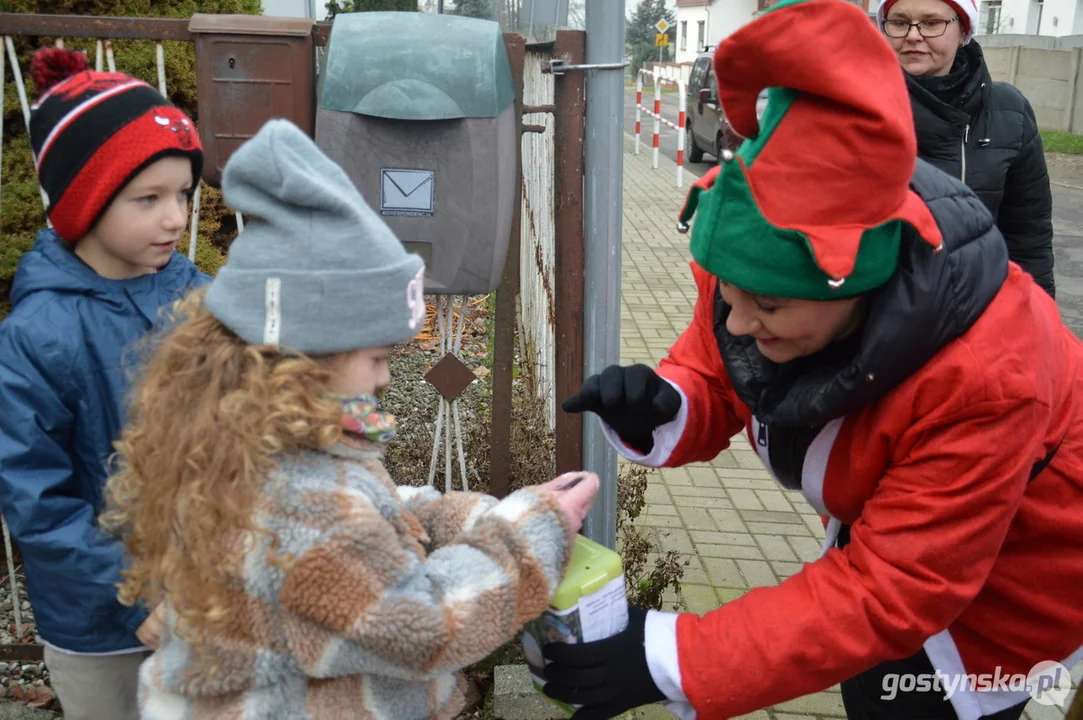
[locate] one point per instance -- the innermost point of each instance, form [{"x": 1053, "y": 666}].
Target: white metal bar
[
  {"x": 193, "y": 235},
  {"x": 110, "y": 61},
  {"x": 240, "y": 222},
  {"x": 60, "y": 43},
  {"x": 16, "y": 600},
  {"x": 2, "y": 68},
  {"x": 437, "y": 437},
  {"x": 99, "y": 52},
  {"x": 159, "y": 50},
  {"x": 17, "y": 71},
  {"x": 455, "y": 405},
  {"x": 447, "y": 330}
]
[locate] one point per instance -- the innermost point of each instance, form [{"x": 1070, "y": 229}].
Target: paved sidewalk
[{"x": 738, "y": 529}]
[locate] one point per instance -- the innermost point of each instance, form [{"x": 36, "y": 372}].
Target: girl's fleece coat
[
  {"x": 65, "y": 366},
  {"x": 389, "y": 590}
]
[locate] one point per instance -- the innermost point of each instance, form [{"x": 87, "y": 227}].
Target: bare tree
[{"x": 577, "y": 14}]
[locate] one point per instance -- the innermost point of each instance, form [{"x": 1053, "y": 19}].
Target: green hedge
[{"x": 21, "y": 210}]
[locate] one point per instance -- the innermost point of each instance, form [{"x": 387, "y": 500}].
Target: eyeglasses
[{"x": 926, "y": 28}]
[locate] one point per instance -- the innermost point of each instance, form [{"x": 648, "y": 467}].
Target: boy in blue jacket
[{"x": 118, "y": 163}]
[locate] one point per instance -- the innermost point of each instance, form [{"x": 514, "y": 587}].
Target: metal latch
[{"x": 559, "y": 67}]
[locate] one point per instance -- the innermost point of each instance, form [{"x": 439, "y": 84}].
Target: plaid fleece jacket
[{"x": 390, "y": 592}]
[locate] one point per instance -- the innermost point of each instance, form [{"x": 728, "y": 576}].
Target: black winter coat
[{"x": 987, "y": 136}]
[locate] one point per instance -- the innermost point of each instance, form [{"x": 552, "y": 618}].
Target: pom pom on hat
[{"x": 51, "y": 66}]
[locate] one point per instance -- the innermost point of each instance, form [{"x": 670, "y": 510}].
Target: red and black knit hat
[{"x": 92, "y": 132}]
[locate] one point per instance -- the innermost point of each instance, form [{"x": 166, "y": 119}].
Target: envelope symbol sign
[{"x": 409, "y": 193}]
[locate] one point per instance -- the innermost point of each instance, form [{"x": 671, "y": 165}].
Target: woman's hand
[
  {"x": 150, "y": 632},
  {"x": 575, "y": 494}
]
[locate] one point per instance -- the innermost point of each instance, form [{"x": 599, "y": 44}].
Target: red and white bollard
[
  {"x": 639, "y": 107},
  {"x": 657, "y": 118}
]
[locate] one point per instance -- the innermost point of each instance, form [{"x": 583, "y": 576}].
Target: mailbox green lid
[{"x": 416, "y": 66}]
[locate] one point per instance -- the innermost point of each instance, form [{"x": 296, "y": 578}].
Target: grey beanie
[{"x": 315, "y": 269}]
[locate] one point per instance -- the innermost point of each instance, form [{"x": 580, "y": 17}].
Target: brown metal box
[{"x": 250, "y": 69}]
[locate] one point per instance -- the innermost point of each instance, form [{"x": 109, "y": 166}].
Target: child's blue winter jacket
[{"x": 66, "y": 360}]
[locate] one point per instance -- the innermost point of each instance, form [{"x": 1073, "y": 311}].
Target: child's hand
[
  {"x": 150, "y": 632},
  {"x": 575, "y": 494}
]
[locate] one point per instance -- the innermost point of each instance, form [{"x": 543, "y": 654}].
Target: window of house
[
  {"x": 992, "y": 17},
  {"x": 702, "y": 39},
  {"x": 1038, "y": 25},
  {"x": 684, "y": 34}
]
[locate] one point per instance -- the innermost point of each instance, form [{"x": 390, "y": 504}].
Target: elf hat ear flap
[{"x": 699, "y": 186}]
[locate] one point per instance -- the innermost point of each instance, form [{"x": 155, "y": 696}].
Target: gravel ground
[{"x": 24, "y": 683}]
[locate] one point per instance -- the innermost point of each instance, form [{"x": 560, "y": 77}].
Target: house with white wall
[
  {"x": 707, "y": 22},
  {"x": 296, "y": 8},
  {"x": 1052, "y": 18}
]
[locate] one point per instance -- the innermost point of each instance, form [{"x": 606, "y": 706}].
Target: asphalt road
[{"x": 1067, "y": 206}]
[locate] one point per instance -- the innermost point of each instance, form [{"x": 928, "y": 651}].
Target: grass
[{"x": 1062, "y": 142}]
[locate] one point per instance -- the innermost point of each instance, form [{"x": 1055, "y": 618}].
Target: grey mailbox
[{"x": 419, "y": 109}]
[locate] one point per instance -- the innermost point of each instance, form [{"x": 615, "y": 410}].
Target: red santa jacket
[{"x": 952, "y": 546}]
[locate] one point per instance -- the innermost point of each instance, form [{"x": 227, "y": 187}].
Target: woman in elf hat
[
  {"x": 859, "y": 320},
  {"x": 972, "y": 128}
]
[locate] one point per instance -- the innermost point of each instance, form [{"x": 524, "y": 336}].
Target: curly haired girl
[{"x": 298, "y": 580}]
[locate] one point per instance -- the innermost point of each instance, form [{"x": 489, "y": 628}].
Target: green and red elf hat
[{"x": 814, "y": 203}]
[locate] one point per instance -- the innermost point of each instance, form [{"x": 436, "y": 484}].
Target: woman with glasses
[{"x": 972, "y": 128}]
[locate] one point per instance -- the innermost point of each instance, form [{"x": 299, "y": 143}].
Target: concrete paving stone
[
  {"x": 726, "y": 460},
  {"x": 699, "y": 599},
  {"x": 695, "y": 574},
  {"x": 730, "y": 594},
  {"x": 1037, "y": 711},
  {"x": 744, "y": 499},
  {"x": 702, "y": 472},
  {"x": 758, "y": 715},
  {"x": 734, "y": 552},
  {"x": 762, "y": 528},
  {"x": 742, "y": 473},
  {"x": 668, "y": 521},
  {"x": 677, "y": 539},
  {"x": 675, "y": 476},
  {"x": 718, "y": 503},
  {"x": 728, "y": 520},
  {"x": 656, "y": 492},
  {"x": 748, "y": 459},
  {"x": 724, "y": 572},
  {"x": 757, "y": 573},
  {"x": 774, "y": 500},
  {"x": 815, "y": 525},
  {"x": 826, "y": 704},
  {"x": 776, "y": 548},
  {"x": 723, "y": 538},
  {"x": 704, "y": 476},
  {"x": 660, "y": 509},
  {"x": 697, "y": 492},
  {"x": 744, "y": 483},
  {"x": 696, "y": 518},
  {"x": 786, "y": 569},
  {"x": 780, "y": 518},
  {"x": 806, "y": 548}
]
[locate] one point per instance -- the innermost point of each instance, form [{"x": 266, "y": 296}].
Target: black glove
[
  {"x": 607, "y": 677},
  {"x": 632, "y": 400}
]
